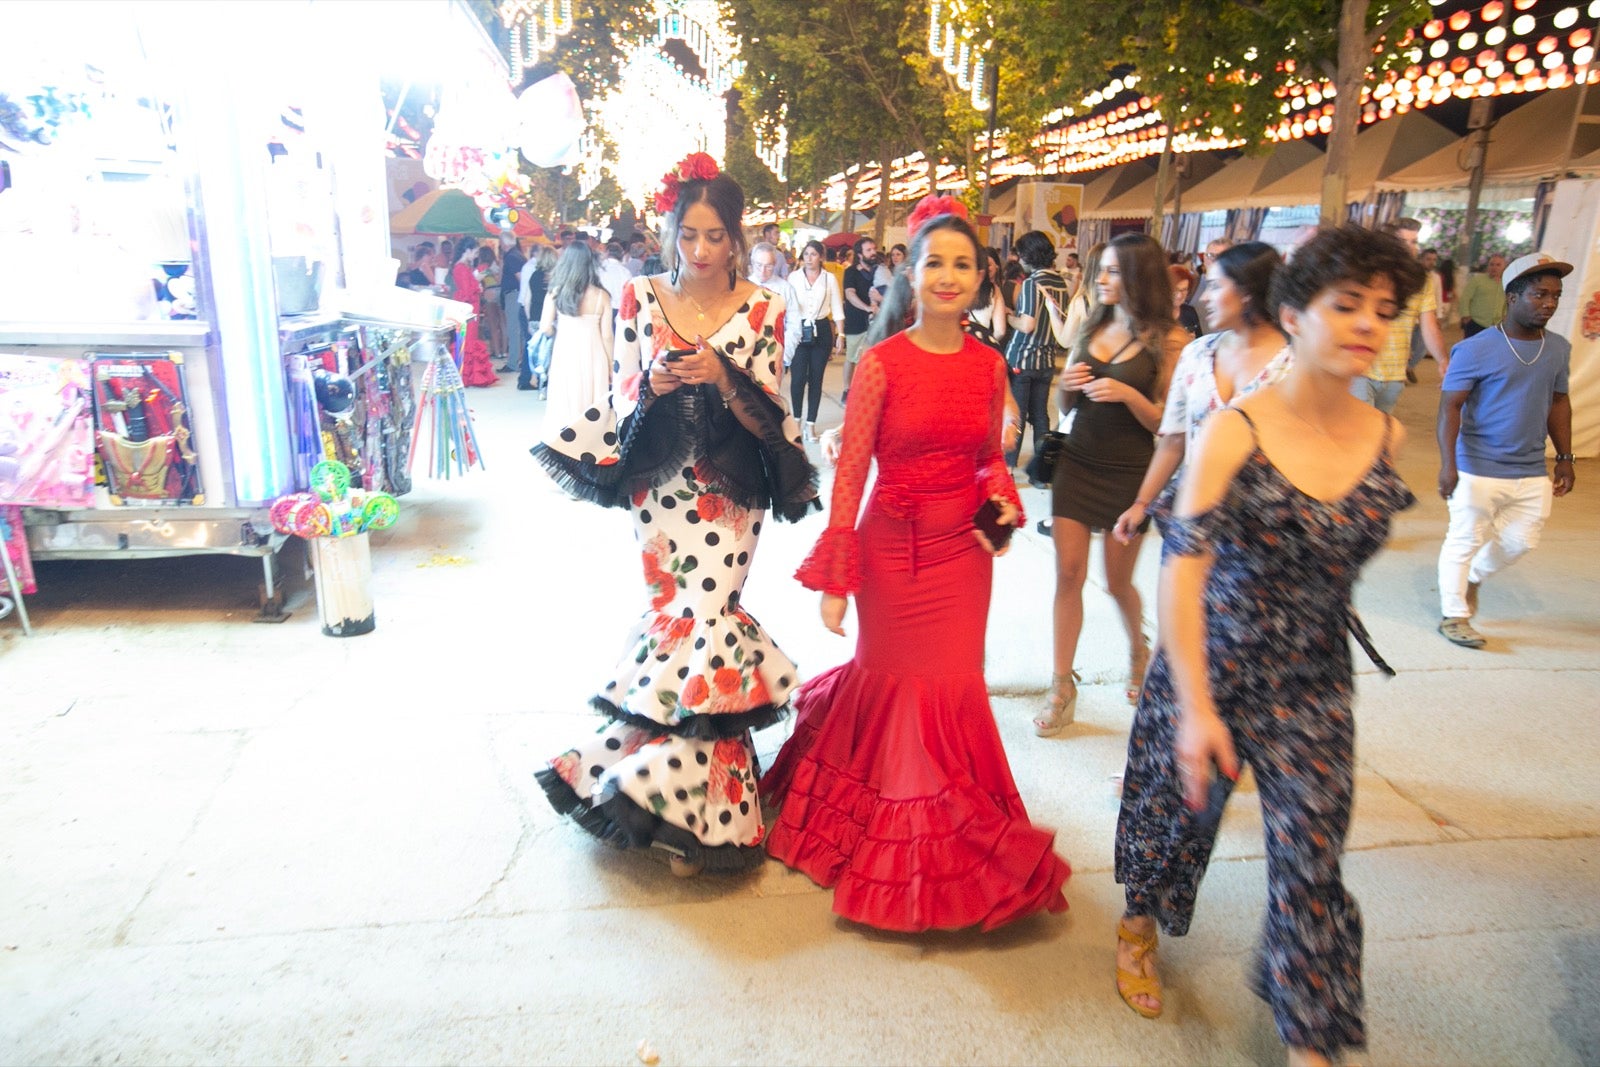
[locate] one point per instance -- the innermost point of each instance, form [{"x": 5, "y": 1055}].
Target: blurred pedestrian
[
  {"x": 1182, "y": 282},
  {"x": 818, "y": 316},
  {"x": 577, "y": 315},
  {"x": 1483, "y": 298},
  {"x": 1113, "y": 390},
  {"x": 1287, "y": 495},
  {"x": 476, "y": 368},
  {"x": 1502, "y": 396},
  {"x": 511, "y": 263},
  {"x": 1245, "y": 352},
  {"x": 1032, "y": 350},
  {"x": 1380, "y": 385}
]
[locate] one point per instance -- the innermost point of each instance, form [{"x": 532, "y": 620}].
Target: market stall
[{"x": 197, "y": 302}]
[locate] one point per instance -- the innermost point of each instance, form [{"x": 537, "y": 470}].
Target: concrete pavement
[{"x": 233, "y": 843}]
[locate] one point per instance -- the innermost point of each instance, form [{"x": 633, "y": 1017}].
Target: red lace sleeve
[
  {"x": 834, "y": 564},
  {"x": 994, "y": 477}
]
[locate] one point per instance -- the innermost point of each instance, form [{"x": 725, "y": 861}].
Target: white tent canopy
[
  {"x": 1384, "y": 148},
  {"x": 1111, "y": 183},
  {"x": 1238, "y": 183},
  {"x": 1537, "y": 140},
  {"x": 1139, "y": 201}
]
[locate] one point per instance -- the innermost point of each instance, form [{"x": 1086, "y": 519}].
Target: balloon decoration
[{"x": 550, "y": 121}]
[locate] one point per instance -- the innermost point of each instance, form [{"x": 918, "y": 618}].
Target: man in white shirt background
[{"x": 613, "y": 275}]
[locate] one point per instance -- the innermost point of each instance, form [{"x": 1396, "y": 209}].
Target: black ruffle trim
[
  {"x": 775, "y": 475},
  {"x": 566, "y": 801},
  {"x": 764, "y": 471},
  {"x": 621, "y": 823},
  {"x": 699, "y": 727}
]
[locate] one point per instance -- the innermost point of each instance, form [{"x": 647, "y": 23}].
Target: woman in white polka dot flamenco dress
[{"x": 696, "y": 442}]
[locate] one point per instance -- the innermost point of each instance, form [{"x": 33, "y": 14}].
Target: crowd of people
[{"x": 1256, "y": 433}]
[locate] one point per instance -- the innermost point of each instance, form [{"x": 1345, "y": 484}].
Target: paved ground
[{"x": 224, "y": 842}]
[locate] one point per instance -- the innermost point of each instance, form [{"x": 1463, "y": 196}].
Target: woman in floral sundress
[
  {"x": 695, "y": 441},
  {"x": 1288, "y": 494}
]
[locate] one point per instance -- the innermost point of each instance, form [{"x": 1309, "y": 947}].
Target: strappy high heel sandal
[
  {"x": 1132, "y": 984},
  {"x": 1138, "y": 661},
  {"x": 1061, "y": 706}
]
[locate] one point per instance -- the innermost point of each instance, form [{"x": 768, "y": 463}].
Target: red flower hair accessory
[
  {"x": 931, "y": 207},
  {"x": 694, "y": 167}
]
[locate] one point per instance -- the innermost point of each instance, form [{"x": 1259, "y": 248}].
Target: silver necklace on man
[{"x": 1518, "y": 355}]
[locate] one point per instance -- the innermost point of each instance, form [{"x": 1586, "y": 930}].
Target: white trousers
[{"x": 1493, "y": 523}]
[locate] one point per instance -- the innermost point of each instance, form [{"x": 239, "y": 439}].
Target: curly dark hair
[
  {"x": 1035, "y": 250},
  {"x": 1346, "y": 253}
]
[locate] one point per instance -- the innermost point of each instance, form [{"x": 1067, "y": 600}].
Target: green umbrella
[{"x": 445, "y": 211}]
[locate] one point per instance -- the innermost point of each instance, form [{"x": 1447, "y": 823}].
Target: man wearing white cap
[{"x": 1505, "y": 391}]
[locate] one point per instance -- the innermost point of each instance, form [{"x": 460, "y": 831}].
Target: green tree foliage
[
  {"x": 850, "y": 77},
  {"x": 1209, "y": 64}
]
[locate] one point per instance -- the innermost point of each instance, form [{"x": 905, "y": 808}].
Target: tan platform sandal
[
  {"x": 1132, "y": 984},
  {"x": 1138, "y": 662},
  {"x": 1061, "y": 706}
]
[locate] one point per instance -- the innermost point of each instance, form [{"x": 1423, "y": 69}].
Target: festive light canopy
[
  {"x": 1469, "y": 50},
  {"x": 661, "y": 112},
  {"x": 532, "y": 28}
]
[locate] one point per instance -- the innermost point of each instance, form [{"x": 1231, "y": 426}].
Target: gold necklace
[{"x": 699, "y": 308}]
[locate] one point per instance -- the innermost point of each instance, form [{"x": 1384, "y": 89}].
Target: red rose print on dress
[
  {"x": 630, "y": 304},
  {"x": 711, "y": 506},
  {"x": 695, "y": 692},
  {"x": 731, "y": 752},
  {"x": 662, "y": 584},
  {"x": 567, "y": 767},
  {"x": 758, "y": 315}
]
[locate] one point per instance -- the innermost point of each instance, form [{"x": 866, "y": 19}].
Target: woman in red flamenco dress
[
  {"x": 476, "y": 369},
  {"x": 894, "y": 789}
]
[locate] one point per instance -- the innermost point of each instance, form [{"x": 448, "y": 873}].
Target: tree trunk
[
  {"x": 1481, "y": 123},
  {"x": 847, "y": 220},
  {"x": 988, "y": 144},
  {"x": 1163, "y": 177},
  {"x": 885, "y": 177},
  {"x": 1354, "y": 56}
]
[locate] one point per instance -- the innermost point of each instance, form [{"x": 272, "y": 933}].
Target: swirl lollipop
[
  {"x": 282, "y": 510},
  {"x": 330, "y": 480},
  {"x": 310, "y": 518},
  {"x": 380, "y": 512}
]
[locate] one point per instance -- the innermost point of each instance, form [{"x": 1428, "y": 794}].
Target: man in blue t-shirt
[{"x": 1504, "y": 392}]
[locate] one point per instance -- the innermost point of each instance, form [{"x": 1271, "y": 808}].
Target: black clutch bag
[
  {"x": 987, "y": 520},
  {"x": 1042, "y": 467}
]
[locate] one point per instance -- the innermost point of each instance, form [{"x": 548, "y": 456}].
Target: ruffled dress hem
[
  {"x": 622, "y": 824},
  {"x": 945, "y": 857}
]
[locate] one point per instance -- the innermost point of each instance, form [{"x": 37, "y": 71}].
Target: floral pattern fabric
[
  {"x": 698, "y": 671},
  {"x": 1193, "y": 395},
  {"x": 1277, "y": 604}
]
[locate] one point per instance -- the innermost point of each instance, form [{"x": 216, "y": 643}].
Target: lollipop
[
  {"x": 310, "y": 518},
  {"x": 380, "y": 512},
  {"x": 330, "y": 480},
  {"x": 282, "y": 508}
]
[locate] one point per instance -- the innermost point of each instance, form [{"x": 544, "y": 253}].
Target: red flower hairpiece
[
  {"x": 931, "y": 207},
  {"x": 694, "y": 167}
]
